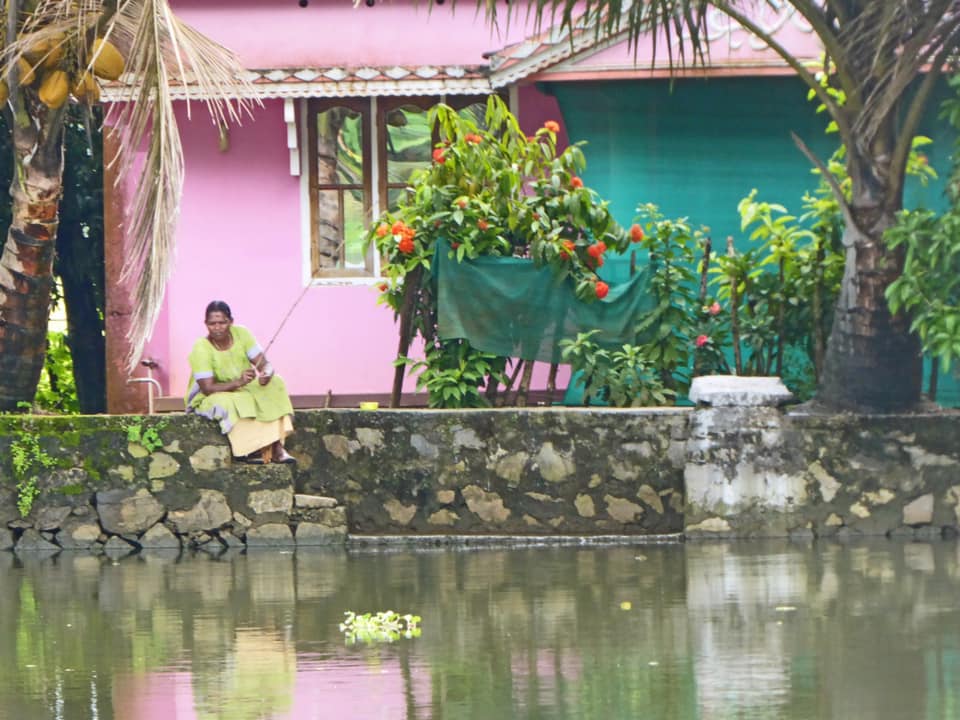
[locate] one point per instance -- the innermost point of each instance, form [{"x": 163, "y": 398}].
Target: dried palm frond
[{"x": 161, "y": 53}]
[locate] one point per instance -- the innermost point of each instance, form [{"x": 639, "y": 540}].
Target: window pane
[
  {"x": 339, "y": 147},
  {"x": 476, "y": 112},
  {"x": 354, "y": 225},
  {"x": 409, "y": 145},
  {"x": 329, "y": 228}
]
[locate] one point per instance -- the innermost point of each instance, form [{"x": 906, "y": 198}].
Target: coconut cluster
[{"x": 48, "y": 68}]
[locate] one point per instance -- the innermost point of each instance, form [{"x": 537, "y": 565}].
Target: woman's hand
[
  {"x": 265, "y": 373},
  {"x": 208, "y": 386}
]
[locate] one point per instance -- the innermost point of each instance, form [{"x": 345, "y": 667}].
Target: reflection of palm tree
[{"x": 331, "y": 147}]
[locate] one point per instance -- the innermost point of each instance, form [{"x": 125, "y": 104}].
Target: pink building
[{"x": 255, "y": 227}]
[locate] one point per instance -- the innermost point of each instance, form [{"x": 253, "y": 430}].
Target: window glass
[
  {"x": 340, "y": 198},
  {"x": 408, "y": 147},
  {"x": 355, "y": 227},
  {"x": 476, "y": 112}
]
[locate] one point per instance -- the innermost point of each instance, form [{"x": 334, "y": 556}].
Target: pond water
[{"x": 697, "y": 631}]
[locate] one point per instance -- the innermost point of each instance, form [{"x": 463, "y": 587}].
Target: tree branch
[{"x": 828, "y": 178}]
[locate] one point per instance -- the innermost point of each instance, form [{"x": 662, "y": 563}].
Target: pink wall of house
[
  {"x": 240, "y": 240},
  {"x": 280, "y": 33}
]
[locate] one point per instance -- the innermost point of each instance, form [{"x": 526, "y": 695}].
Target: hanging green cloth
[{"x": 510, "y": 307}]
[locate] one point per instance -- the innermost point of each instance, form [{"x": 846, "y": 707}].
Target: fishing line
[{"x": 285, "y": 318}]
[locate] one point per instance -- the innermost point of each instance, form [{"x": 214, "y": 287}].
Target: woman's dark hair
[{"x": 218, "y": 306}]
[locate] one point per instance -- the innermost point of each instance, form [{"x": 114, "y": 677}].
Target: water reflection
[{"x": 753, "y": 630}]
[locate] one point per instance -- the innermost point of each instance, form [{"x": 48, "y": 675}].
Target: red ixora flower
[
  {"x": 482, "y": 224},
  {"x": 702, "y": 340},
  {"x": 405, "y": 245},
  {"x": 601, "y": 289},
  {"x": 402, "y": 230},
  {"x": 383, "y": 287},
  {"x": 552, "y": 125},
  {"x": 382, "y": 230},
  {"x": 567, "y": 250},
  {"x": 596, "y": 250},
  {"x": 438, "y": 156},
  {"x": 636, "y": 233},
  {"x": 714, "y": 309},
  {"x": 576, "y": 182}
]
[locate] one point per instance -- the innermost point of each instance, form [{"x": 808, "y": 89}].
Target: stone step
[{"x": 301, "y": 500}]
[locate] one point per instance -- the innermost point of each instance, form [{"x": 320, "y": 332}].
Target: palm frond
[
  {"x": 890, "y": 44},
  {"x": 679, "y": 24}
]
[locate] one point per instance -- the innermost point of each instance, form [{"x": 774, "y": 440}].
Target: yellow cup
[{"x": 369, "y": 405}]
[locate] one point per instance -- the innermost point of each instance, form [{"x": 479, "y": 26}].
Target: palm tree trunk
[
  {"x": 873, "y": 361},
  {"x": 26, "y": 266},
  {"x": 85, "y": 337}
]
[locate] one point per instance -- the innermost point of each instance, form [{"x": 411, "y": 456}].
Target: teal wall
[{"x": 696, "y": 147}]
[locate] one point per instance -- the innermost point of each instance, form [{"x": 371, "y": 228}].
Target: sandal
[
  {"x": 284, "y": 459},
  {"x": 251, "y": 459}
]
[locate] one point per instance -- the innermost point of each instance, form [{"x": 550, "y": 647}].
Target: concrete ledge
[
  {"x": 374, "y": 541},
  {"x": 736, "y": 391}
]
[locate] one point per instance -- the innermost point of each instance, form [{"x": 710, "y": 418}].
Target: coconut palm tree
[
  {"x": 883, "y": 58},
  {"x": 60, "y": 51}
]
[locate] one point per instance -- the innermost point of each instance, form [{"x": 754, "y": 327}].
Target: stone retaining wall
[
  {"x": 729, "y": 470},
  {"x": 499, "y": 471},
  {"x": 763, "y": 472},
  {"x": 534, "y": 472}
]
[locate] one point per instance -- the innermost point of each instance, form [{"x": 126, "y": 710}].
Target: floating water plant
[{"x": 385, "y": 626}]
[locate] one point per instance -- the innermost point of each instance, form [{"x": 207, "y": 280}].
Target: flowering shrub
[
  {"x": 490, "y": 191},
  {"x": 759, "y": 306},
  {"x": 683, "y": 331}
]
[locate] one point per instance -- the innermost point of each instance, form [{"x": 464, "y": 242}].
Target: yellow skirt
[{"x": 249, "y": 435}]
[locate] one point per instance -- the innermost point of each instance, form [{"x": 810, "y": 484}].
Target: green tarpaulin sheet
[{"x": 509, "y": 307}]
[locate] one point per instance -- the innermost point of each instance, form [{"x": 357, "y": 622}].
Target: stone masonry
[{"x": 738, "y": 465}]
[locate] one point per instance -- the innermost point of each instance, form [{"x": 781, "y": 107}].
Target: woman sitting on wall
[{"x": 232, "y": 382}]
